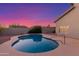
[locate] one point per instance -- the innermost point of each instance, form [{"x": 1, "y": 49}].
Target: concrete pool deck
[{"x": 69, "y": 49}]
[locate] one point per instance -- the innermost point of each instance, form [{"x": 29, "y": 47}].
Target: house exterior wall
[{"x": 72, "y": 21}]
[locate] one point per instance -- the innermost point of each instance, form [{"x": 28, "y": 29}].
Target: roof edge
[{"x": 66, "y": 12}]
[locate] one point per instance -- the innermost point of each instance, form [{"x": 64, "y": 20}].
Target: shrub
[
  {"x": 54, "y": 30},
  {"x": 1, "y": 29},
  {"x": 35, "y": 29}
]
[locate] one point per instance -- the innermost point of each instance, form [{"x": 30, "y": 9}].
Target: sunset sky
[{"x": 30, "y": 14}]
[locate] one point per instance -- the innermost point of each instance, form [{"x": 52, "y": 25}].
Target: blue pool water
[{"x": 34, "y": 43}]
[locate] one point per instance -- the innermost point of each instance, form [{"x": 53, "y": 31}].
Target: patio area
[{"x": 70, "y": 48}]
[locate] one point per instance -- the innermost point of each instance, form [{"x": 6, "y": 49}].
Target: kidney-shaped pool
[{"x": 34, "y": 43}]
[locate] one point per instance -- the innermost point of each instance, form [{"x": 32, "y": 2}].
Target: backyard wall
[
  {"x": 14, "y": 31},
  {"x": 48, "y": 30}
]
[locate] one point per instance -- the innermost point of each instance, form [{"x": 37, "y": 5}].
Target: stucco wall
[
  {"x": 71, "y": 20},
  {"x": 14, "y": 31},
  {"x": 48, "y": 30}
]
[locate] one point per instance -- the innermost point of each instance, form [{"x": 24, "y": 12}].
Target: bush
[
  {"x": 54, "y": 30},
  {"x": 1, "y": 29},
  {"x": 36, "y": 29}
]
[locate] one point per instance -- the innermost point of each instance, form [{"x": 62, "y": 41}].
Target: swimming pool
[{"x": 34, "y": 43}]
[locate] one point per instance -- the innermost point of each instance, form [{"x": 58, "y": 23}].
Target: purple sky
[{"x": 30, "y": 14}]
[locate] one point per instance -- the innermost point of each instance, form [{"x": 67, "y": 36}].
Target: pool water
[{"x": 34, "y": 43}]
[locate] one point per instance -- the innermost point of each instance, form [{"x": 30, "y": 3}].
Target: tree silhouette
[{"x": 35, "y": 29}]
